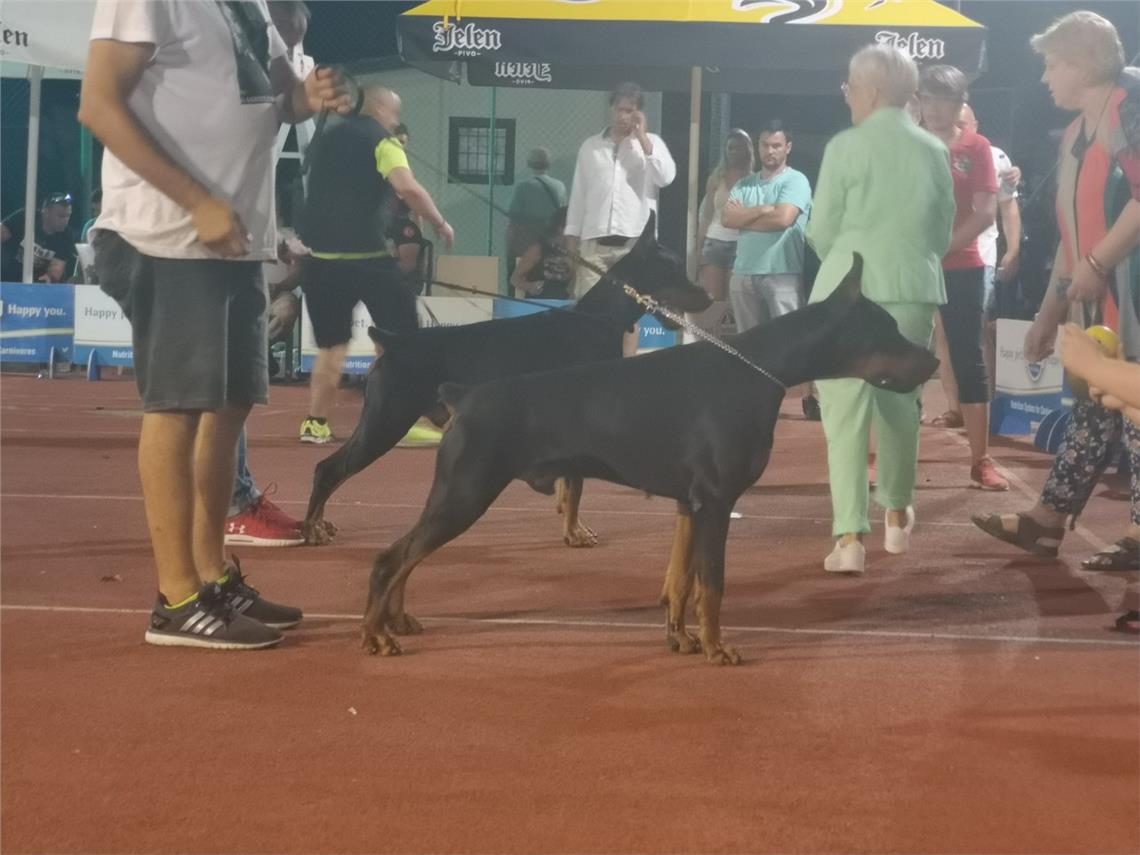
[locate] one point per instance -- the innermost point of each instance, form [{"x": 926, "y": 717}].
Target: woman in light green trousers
[{"x": 884, "y": 191}]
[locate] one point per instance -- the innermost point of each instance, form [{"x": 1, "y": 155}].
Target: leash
[
  {"x": 651, "y": 305},
  {"x": 644, "y": 300}
]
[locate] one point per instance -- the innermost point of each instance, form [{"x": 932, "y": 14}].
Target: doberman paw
[
  {"x": 580, "y": 537},
  {"x": 380, "y": 643},
  {"x": 722, "y": 654},
  {"x": 405, "y": 624},
  {"x": 683, "y": 642},
  {"x": 318, "y": 532}
]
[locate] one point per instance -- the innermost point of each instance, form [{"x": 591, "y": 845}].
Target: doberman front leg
[
  {"x": 391, "y": 406},
  {"x": 575, "y": 533},
  {"x": 462, "y": 491},
  {"x": 710, "y": 531},
  {"x": 678, "y": 586},
  {"x": 399, "y": 620}
]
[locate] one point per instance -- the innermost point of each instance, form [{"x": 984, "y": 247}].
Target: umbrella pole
[
  {"x": 35, "y": 77},
  {"x": 692, "y": 250}
]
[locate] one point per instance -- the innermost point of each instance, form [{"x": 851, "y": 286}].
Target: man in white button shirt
[{"x": 616, "y": 181}]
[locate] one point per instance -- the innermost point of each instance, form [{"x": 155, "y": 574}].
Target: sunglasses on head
[{"x": 58, "y": 199}]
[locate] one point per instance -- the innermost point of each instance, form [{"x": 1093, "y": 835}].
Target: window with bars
[{"x": 469, "y": 150}]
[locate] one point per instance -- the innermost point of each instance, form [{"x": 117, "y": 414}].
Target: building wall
[{"x": 557, "y": 119}]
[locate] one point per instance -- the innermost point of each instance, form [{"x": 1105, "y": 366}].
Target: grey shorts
[
  {"x": 198, "y": 326},
  {"x": 718, "y": 253},
  {"x": 759, "y": 298}
]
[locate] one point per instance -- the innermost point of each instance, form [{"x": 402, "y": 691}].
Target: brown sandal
[
  {"x": 1122, "y": 555},
  {"x": 1030, "y": 535}
]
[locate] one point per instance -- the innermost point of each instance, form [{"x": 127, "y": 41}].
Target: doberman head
[
  {"x": 653, "y": 270},
  {"x": 858, "y": 338}
]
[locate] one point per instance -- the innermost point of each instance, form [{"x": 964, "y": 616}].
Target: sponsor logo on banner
[
  {"x": 100, "y": 325},
  {"x": 34, "y": 319},
  {"x": 790, "y": 11},
  {"x": 12, "y": 38},
  {"x": 1026, "y": 391},
  {"x": 432, "y": 311},
  {"x": 523, "y": 73},
  {"x": 465, "y": 40},
  {"x": 52, "y": 34},
  {"x": 918, "y": 47}
]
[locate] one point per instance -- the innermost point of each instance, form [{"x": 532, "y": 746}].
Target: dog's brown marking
[
  {"x": 575, "y": 533},
  {"x": 679, "y": 585},
  {"x": 708, "y": 612}
]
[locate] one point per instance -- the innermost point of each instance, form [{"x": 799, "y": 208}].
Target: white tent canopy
[{"x": 39, "y": 34}]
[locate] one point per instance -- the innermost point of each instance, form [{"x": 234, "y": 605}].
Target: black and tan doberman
[
  {"x": 403, "y": 384},
  {"x": 690, "y": 423}
]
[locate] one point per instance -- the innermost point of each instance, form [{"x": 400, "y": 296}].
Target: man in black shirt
[
  {"x": 358, "y": 169},
  {"x": 54, "y": 244}
]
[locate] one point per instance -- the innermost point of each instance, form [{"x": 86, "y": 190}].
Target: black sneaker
[
  {"x": 247, "y": 601},
  {"x": 207, "y": 621},
  {"x": 811, "y": 409}
]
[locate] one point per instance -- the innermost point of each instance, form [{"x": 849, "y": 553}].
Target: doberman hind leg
[
  {"x": 710, "y": 531},
  {"x": 459, "y": 496},
  {"x": 679, "y": 585},
  {"x": 575, "y": 533}
]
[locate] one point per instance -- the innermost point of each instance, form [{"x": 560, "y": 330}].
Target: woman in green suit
[{"x": 885, "y": 191}]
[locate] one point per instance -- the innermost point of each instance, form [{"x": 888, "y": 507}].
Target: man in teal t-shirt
[{"x": 771, "y": 210}]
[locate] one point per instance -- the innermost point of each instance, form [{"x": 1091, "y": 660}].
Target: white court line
[
  {"x": 500, "y": 508},
  {"x": 604, "y": 624}
]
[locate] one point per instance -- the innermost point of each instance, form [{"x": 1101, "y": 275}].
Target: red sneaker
[
  {"x": 263, "y": 524},
  {"x": 271, "y": 511},
  {"x": 984, "y": 476}
]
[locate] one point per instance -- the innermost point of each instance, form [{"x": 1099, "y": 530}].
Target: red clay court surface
[{"x": 961, "y": 699}]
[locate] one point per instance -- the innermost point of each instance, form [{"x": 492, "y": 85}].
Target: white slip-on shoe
[
  {"x": 897, "y": 540},
  {"x": 846, "y": 559}
]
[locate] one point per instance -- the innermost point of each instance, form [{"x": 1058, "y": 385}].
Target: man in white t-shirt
[
  {"x": 617, "y": 178},
  {"x": 186, "y": 96}
]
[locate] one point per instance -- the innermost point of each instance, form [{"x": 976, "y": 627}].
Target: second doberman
[
  {"x": 403, "y": 384},
  {"x": 693, "y": 423}
]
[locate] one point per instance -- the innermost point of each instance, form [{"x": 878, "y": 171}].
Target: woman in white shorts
[{"x": 718, "y": 243}]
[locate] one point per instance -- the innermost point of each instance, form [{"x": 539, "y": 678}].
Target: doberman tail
[{"x": 385, "y": 341}]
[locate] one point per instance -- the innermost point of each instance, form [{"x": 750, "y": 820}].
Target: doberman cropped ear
[
  {"x": 851, "y": 287},
  {"x": 649, "y": 233}
]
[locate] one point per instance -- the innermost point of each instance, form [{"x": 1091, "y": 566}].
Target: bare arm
[
  {"x": 5, "y": 233},
  {"x": 420, "y": 201},
  {"x": 113, "y": 71},
  {"x": 1083, "y": 357},
  {"x": 762, "y": 218},
  {"x": 1010, "y": 214},
  {"x": 525, "y": 264},
  {"x": 980, "y": 218}
]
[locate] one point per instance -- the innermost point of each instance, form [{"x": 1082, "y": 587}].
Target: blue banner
[
  {"x": 34, "y": 319},
  {"x": 651, "y": 334}
]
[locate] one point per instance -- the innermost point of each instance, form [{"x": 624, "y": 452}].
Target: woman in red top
[{"x": 941, "y": 93}]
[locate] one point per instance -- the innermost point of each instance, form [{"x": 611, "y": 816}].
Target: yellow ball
[{"x": 1106, "y": 338}]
